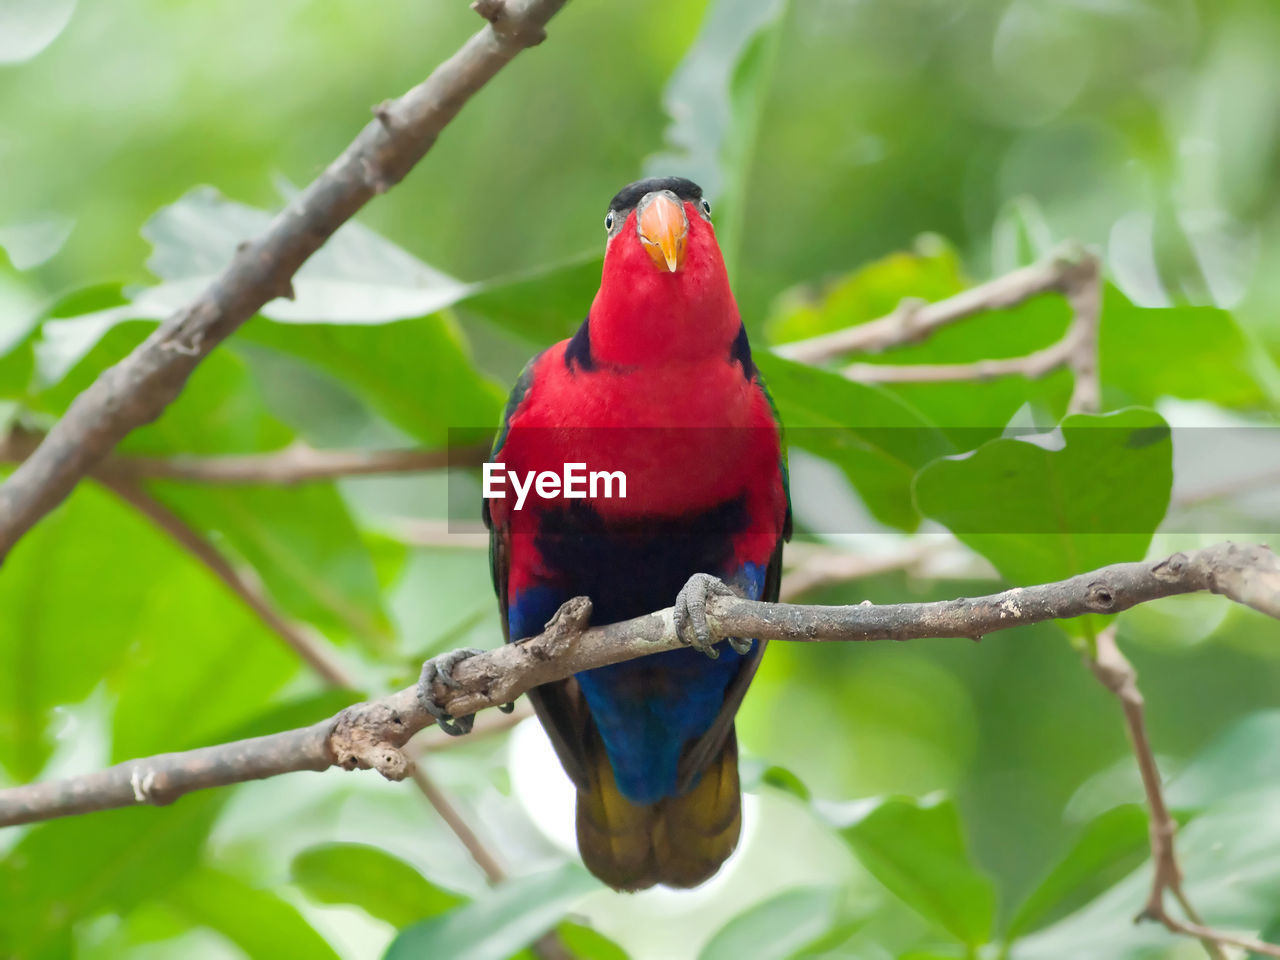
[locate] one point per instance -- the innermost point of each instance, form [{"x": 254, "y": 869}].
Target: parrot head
[{"x": 664, "y": 292}]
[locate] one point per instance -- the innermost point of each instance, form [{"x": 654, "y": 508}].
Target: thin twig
[
  {"x": 480, "y": 853},
  {"x": 295, "y": 464},
  {"x": 1032, "y": 366},
  {"x": 1082, "y": 286},
  {"x": 372, "y": 735},
  {"x": 915, "y": 320},
  {"x": 138, "y": 388},
  {"x": 1078, "y": 277},
  {"x": 1114, "y": 671}
]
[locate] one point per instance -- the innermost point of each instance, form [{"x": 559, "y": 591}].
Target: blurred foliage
[{"x": 919, "y": 801}]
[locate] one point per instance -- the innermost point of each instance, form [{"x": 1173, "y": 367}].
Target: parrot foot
[
  {"x": 691, "y": 614},
  {"x": 441, "y": 668}
]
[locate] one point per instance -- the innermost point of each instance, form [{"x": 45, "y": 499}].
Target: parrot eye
[
  {"x": 608, "y": 220},
  {"x": 706, "y": 208}
]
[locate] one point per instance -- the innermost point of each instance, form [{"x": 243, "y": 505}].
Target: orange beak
[{"x": 663, "y": 230}]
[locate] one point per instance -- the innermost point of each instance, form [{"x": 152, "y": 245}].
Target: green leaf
[
  {"x": 257, "y": 921},
  {"x": 877, "y": 440},
  {"x": 66, "y": 871},
  {"x": 1117, "y": 839},
  {"x": 917, "y": 850},
  {"x": 382, "y": 885},
  {"x": 588, "y": 944},
  {"x": 1196, "y": 353},
  {"x": 777, "y": 928},
  {"x": 1042, "y": 511},
  {"x": 499, "y": 923}
]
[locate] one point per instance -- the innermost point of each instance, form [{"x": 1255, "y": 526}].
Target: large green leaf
[
  {"x": 498, "y": 924},
  {"x": 779, "y": 927},
  {"x": 1116, "y": 839},
  {"x": 257, "y": 921},
  {"x": 69, "y": 870},
  {"x": 877, "y": 440},
  {"x": 1042, "y": 509},
  {"x": 382, "y": 885},
  {"x": 917, "y": 850}
]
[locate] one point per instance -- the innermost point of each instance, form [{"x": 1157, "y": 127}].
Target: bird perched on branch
[{"x": 657, "y": 386}]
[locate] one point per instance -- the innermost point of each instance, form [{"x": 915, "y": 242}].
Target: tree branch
[
  {"x": 1032, "y": 366},
  {"x": 371, "y": 735},
  {"x": 295, "y": 464},
  {"x": 915, "y": 320},
  {"x": 1114, "y": 671},
  {"x": 138, "y": 388}
]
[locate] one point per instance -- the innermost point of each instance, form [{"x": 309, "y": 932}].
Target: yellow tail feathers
[{"x": 679, "y": 841}]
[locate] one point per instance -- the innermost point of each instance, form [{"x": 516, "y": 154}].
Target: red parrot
[{"x": 657, "y": 384}]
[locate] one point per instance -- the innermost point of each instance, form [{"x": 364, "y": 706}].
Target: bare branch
[
  {"x": 372, "y": 735},
  {"x": 1032, "y": 366},
  {"x": 138, "y": 388},
  {"x": 915, "y": 320},
  {"x": 1077, "y": 276},
  {"x": 1082, "y": 286},
  {"x": 1114, "y": 671},
  {"x": 295, "y": 464}
]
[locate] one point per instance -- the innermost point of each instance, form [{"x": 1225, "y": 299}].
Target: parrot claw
[
  {"x": 441, "y": 668},
  {"x": 741, "y": 645},
  {"x": 691, "y": 612}
]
